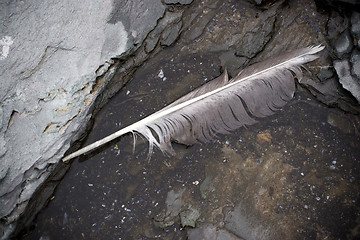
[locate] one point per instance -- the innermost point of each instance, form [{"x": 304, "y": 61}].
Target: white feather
[{"x": 220, "y": 106}]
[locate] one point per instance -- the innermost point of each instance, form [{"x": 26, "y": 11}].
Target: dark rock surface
[{"x": 58, "y": 73}]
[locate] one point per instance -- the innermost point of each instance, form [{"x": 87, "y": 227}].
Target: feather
[{"x": 219, "y": 106}]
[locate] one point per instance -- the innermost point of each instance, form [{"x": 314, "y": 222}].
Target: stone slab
[{"x": 52, "y": 55}]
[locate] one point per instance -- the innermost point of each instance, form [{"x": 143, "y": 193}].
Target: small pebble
[
  {"x": 196, "y": 182},
  {"x": 161, "y": 74}
]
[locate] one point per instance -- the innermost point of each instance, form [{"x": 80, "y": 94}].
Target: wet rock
[
  {"x": 198, "y": 25},
  {"x": 210, "y": 232},
  {"x": 262, "y": 138},
  {"x": 232, "y": 62},
  {"x": 168, "y": 29},
  {"x": 356, "y": 68},
  {"x": 185, "y": 2},
  {"x": 336, "y": 25},
  {"x": 355, "y": 24},
  {"x": 171, "y": 33},
  {"x": 325, "y": 74},
  {"x": 355, "y": 56},
  {"x": 341, "y": 122},
  {"x": 346, "y": 79},
  {"x": 173, "y": 208},
  {"x": 255, "y": 39},
  {"x": 328, "y": 89},
  {"x": 189, "y": 217},
  {"x": 249, "y": 226},
  {"x": 343, "y": 44},
  {"x": 207, "y": 187},
  {"x": 355, "y": 62},
  {"x": 257, "y": 2}
]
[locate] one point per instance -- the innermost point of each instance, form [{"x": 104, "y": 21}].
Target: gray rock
[
  {"x": 210, "y": 232},
  {"x": 250, "y": 226},
  {"x": 257, "y": 2},
  {"x": 355, "y": 70},
  {"x": 188, "y": 217},
  {"x": 341, "y": 122},
  {"x": 328, "y": 89},
  {"x": 232, "y": 62},
  {"x": 260, "y": 34},
  {"x": 355, "y": 56},
  {"x": 198, "y": 25},
  {"x": 185, "y": 2},
  {"x": 207, "y": 187},
  {"x": 347, "y": 81},
  {"x": 56, "y": 59},
  {"x": 355, "y": 24},
  {"x": 325, "y": 74},
  {"x": 336, "y": 25},
  {"x": 168, "y": 28},
  {"x": 343, "y": 44},
  {"x": 170, "y": 34},
  {"x": 173, "y": 208}
]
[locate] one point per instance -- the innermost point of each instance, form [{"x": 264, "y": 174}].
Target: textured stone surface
[
  {"x": 346, "y": 79},
  {"x": 343, "y": 35},
  {"x": 356, "y": 69},
  {"x": 343, "y": 44},
  {"x": 178, "y": 1},
  {"x": 355, "y": 24},
  {"x": 55, "y": 60},
  {"x": 211, "y": 232}
]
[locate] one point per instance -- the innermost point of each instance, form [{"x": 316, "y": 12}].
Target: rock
[
  {"x": 207, "y": 187},
  {"x": 263, "y": 138},
  {"x": 325, "y": 74},
  {"x": 56, "y": 58},
  {"x": 173, "y": 208},
  {"x": 340, "y": 122},
  {"x": 172, "y": 30},
  {"x": 210, "y": 232},
  {"x": 257, "y": 2},
  {"x": 336, "y": 25},
  {"x": 198, "y": 26},
  {"x": 185, "y": 2},
  {"x": 328, "y": 89},
  {"x": 170, "y": 34},
  {"x": 256, "y": 38},
  {"x": 347, "y": 81},
  {"x": 356, "y": 69},
  {"x": 355, "y": 24},
  {"x": 355, "y": 62},
  {"x": 188, "y": 218},
  {"x": 355, "y": 56},
  {"x": 232, "y": 62},
  {"x": 343, "y": 44},
  {"x": 168, "y": 28},
  {"x": 250, "y": 226}
]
